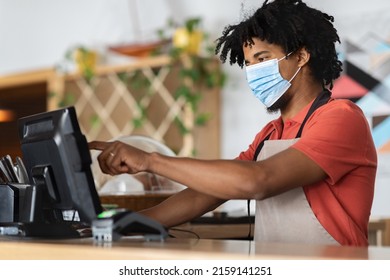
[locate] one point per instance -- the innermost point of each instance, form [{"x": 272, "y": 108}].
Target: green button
[{"x": 107, "y": 214}]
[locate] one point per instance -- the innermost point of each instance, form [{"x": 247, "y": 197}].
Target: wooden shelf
[{"x": 108, "y": 104}]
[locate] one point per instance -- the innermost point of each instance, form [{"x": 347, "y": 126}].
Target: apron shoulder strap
[{"x": 260, "y": 146}]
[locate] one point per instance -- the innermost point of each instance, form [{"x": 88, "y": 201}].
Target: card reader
[{"x": 111, "y": 225}]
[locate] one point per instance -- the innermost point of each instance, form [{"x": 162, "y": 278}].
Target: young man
[{"x": 311, "y": 171}]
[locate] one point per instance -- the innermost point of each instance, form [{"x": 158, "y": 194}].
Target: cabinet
[{"x": 24, "y": 94}]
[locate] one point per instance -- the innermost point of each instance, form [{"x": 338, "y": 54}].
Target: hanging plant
[
  {"x": 192, "y": 50},
  {"x": 85, "y": 60}
]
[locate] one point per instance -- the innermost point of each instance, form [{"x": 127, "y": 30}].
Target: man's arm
[
  {"x": 223, "y": 179},
  {"x": 182, "y": 207}
]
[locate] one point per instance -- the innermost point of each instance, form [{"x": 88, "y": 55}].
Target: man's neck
[{"x": 299, "y": 100}]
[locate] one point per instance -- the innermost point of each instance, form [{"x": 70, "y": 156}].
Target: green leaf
[
  {"x": 123, "y": 77},
  {"x": 95, "y": 121},
  {"x": 202, "y": 119},
  {"x": 194, "y": 99},
  {"x": 171, "y": 22},
  {"x": 175, "y": 53},
  {"x": 194, "y": 152},
  {"x": 52, "y": 94},
  {"x": 192, "y": 23},
  {"x": 139, "y": 81},
  {"x": 182, "y": 128},
  {"x": 88, "y": 75},
  {"x": 183, "y": 91},
  {"x": 67, "y": 100},
  {"x": 137, "y": 122},
  {"x": 192, "y": 73},
  {"x": 161, "y": 34}
]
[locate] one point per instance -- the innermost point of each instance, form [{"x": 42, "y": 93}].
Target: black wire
[
  {"x": 249, "y": 219},
  {"x": 185, "y": 230}
]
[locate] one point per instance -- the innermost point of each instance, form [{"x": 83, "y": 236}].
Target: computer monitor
[{"x": 57, "y": 161}]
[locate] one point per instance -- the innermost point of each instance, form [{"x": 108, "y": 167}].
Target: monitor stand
[
  {"x": 21, "y": 215},
  {"x": 41, "y": 230}
]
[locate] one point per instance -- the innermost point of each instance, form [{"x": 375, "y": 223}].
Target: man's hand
[{"x": 117, "y": 157}]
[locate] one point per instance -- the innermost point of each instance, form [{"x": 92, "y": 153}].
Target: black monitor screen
[{"x": 58, "y": 162}]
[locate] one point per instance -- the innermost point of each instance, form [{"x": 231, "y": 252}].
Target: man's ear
[{"x": 303, "y": 56}]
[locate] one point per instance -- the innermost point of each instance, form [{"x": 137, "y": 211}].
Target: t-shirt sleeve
[
  {"x": 336, "y": 137},
  {"x": 250, "y": 152}
]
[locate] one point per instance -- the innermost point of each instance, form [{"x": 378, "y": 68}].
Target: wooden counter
[
  {"x": 85, "y": 249},
  {"x": 378, "y": 230}
]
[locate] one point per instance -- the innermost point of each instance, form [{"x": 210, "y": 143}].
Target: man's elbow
[{"x": 258, "y": 188}]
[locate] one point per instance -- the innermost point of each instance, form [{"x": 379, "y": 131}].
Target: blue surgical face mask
[{"x": 265, "y": 81}]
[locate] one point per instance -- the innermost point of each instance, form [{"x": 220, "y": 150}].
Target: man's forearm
[{"x": 182, "y": 207}]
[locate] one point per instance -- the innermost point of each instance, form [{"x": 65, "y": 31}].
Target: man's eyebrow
[{"x": 256, "y": 55}]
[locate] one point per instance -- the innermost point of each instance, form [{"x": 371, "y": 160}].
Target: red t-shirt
[{"x": 338, "y": 138}]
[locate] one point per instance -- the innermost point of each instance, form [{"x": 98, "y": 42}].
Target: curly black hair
[{"x": 290, "y": 24}]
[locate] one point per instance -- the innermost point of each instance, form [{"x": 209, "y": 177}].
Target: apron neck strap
[{"x": 320, "y": 100}]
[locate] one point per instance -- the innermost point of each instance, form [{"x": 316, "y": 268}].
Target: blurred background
[{"x": 40, "y": 41}]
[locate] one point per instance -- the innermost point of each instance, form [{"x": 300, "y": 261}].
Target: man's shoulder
[
  {"x": 342, "y": 108},
  {"x": 342, "y": 103}
]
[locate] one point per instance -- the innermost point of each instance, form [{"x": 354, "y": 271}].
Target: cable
[
  {"x": 184, "y": 230},
  {"x": 249, "y": 220}
]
